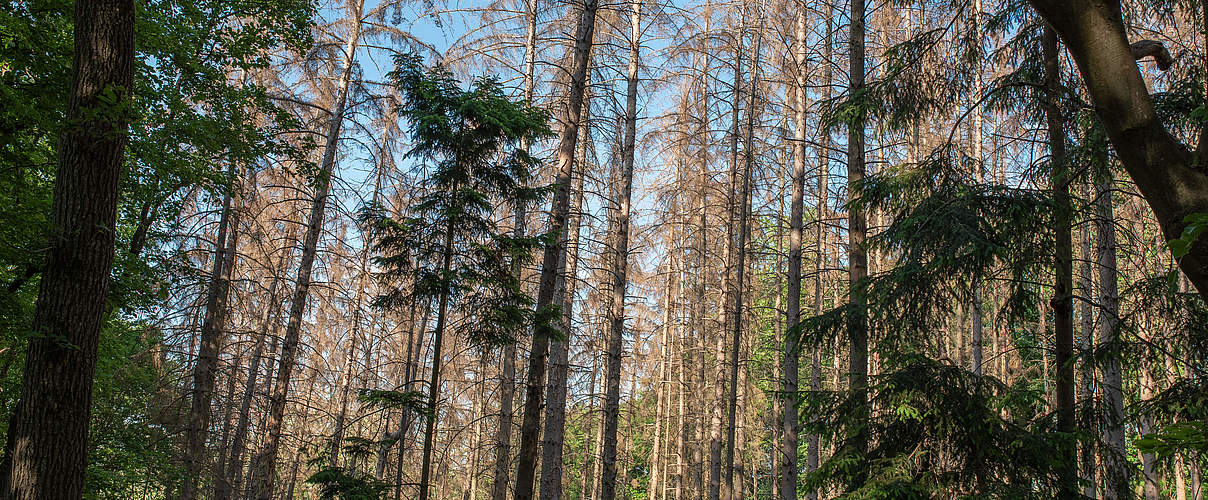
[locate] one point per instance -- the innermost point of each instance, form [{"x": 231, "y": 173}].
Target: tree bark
[
  {"x": 213, "y": 329},
  {"x": 555, "y": 251},
  {"x": 48, "y": 439},
  {"x": 1172, "y": 179},
  {"x": 507, "y": 375},
  {"x": 857, "y": 324},
  {"x": 555, "y": 403},
  {"x": 438, "y": 335},
  {"x": 620, "y": 263},
  {"x": 1116, "y": 469},
  {"x": 792, "y": 352},
  {"x": 1062, "y": 303},
  {"x": 744, "y": 208}
]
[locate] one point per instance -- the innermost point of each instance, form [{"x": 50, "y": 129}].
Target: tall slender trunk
[
  {"x": 857, "y": 324},
  {"x": 507, "y": 374},
  {"x": 265, "y": 463},
  {"x": 814, "y": 453},
  {"x": 1116, "y": 469},
  {"x": 975, "y": 340},
  {"x": 657, "y": 462},
  {"x": 700, "y": 244},
  {"x": 716, "y": 439},
  {"x": 477, "y": 407},
  {"x": 590, "y": 460},
  {"x": 213, "y": 328},
  {"x": 555, "y": 251},
  {"x": 792, "y": 351},
  {"x": 47, "y": 447},
  {"x": 555, "y": 403},
  {"x": 1151, "y": 487},
  {"x": 438, "y": 335},
  {"x": 620, "y": 263},
  {"x": 1063, "y": 317},
  {"x": 740, "y": 245},
  {"x": 1086, "y": 287}
]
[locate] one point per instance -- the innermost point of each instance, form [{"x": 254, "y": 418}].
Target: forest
[{"x": 603, "y": 249}]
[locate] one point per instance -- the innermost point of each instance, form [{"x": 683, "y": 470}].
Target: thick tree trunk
[
  {"x": 213, "y": 329},
  {"x": 1063, "y": 310},
  {"x": 48, "y": 438},
  {"x": 551, "y": 261},
  {"x": 620, "y": 263},
  {"x": 264, "y": 466},
  {"x": 1173, "y": 180}
]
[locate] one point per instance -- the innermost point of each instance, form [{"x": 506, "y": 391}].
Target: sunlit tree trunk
[
  {"x": 555, "y": 402},
  {"x": 551, "y": 261},
  {"x": 791, "y": 355}
]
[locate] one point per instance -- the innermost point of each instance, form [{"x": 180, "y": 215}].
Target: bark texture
[{"x": 48, "y": 440}]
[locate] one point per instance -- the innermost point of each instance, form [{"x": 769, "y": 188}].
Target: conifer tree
[{"x": 466, "y": 143}]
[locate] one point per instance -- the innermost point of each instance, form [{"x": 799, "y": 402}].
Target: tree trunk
[
  {"x": 554, "y": 252},
  {"x": 507, "y": 375},
  {"x": 975, "y": 340},
  {"x": 555, "y": 403},
  {"x": 265, "y": 462},
  {"x": 213, "y": 329},
  {"x": 1116, "y": 469},
  {"x": 438, "y": 335},
  {"x": 857, "y": 324},
  {"x": 1173, "y": 180},
  {"x": 620, "y": 264},
  {"x": 792, "y": 350},
  {"x": 1086, "y": 287},
  {"x": 47, "y": 446},
  {"x": 814, "y": 453},
  {"x": 1063, "y": 311},
  {"x": 740, "y": 284}
]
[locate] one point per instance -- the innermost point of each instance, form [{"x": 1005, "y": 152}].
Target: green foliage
[
  {"x": 1197, "y": 225},
  {"x": 197, "y": 107},
  {"x": 466, "y": 144},
  {"x": 346, "y": 483},
  {"x": 130, "y": 448},
  {"x": 408, "y": 401},
  {"x": 938, "y": 430}
]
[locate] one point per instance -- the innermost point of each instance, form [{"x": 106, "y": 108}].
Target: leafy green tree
[{"x": 448, "y": 246}]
